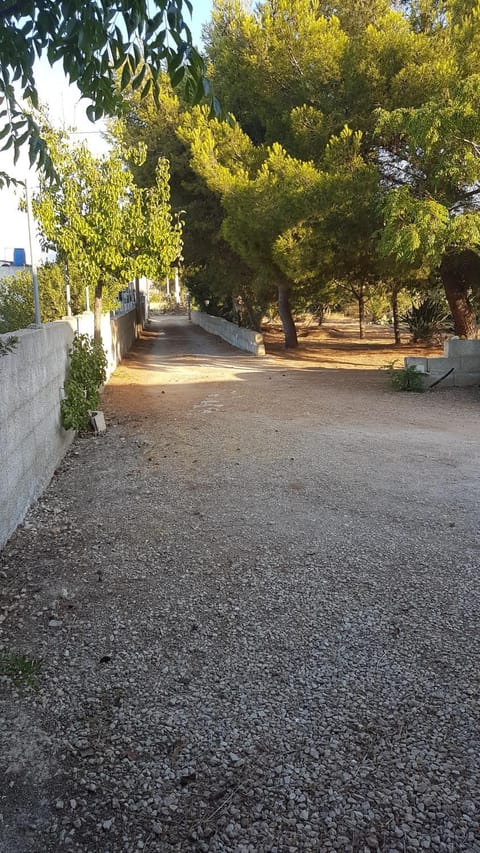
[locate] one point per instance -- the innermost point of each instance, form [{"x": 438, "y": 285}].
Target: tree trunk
[
  {"x": 97, "y": 313},
  {"x": 361, "y": 314},
  {"x": 458, "y": 272},
  {"x": 396, "y": 319},
  {"x": 289, "y": 329}
]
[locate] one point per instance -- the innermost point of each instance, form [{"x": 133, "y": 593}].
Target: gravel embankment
[{"x": 255, "y": 602}]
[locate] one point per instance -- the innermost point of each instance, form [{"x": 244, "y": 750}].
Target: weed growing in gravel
[
  {"x": 404, "y": 378},
  {"x": 19, "y": 668}
]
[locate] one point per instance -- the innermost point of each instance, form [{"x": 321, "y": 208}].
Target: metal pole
[
  {"x": 36, "y": 298},
  {"x": 87, "y": 299}
]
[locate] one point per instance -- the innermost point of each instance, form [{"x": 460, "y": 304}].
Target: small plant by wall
[
  {"x": 88, "y": 371},
  {"x": 404, "y": 378}
]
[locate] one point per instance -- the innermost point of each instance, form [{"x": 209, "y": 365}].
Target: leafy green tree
[
  {"x": 393, "y": 205},
  {"x": 336, "y": 241},
  {"x": 214, "y": 273},
  {"x": 263, "y": 191},
  {"x": 103, "y": 48},
  {"x": 102, "y": 225},
  {"x": 270, "y": 61}
]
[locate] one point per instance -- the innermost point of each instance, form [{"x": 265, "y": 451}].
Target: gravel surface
[{"x": 255, "y": 606}]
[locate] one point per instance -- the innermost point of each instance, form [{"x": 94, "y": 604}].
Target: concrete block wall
[
  {"x": 462, "y": 356},
  {"x": 32, "y": 440},
  {"x": 244, "y": 339}
]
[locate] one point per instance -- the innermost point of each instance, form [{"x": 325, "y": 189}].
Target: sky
[{"x": 66, "y": 109}]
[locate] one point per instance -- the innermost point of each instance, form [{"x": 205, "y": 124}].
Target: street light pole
[{"x": 36, "y": 298}]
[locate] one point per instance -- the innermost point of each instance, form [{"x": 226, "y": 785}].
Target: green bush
[
  {"x": 88, "y": 370},
  {"x": 16, "y": 298},
  {"x": 405, "y": 378},
  {"x": 427, "y": 321}
]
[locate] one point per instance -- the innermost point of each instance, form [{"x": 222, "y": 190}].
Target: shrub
[
  {"x": 88, "y": 370},
  {"x": 405, "y": 378},
  {"x": 16, "y": 298},
  {"x": 427, "y": 321}
]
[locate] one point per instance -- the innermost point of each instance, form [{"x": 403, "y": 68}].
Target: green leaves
[
  {"x": 415, "y": 230},
  {"x": 92, "y": 43},
  {"x": 87, "y": 372},
  {"x": 105, "y": 228}
]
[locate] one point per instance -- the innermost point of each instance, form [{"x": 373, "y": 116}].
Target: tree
[
  {"x": 103, "y": 48},
  {"x": 434, "y": 216},
  {"x": 102, "y": 225},
  {"x": 279, "y": 57},
  {"x": 336, "y": 241},
  {"x": 408, "y": 80},
  {"x": 214, "y": 273},
  {"x": 263, "y": 191}
]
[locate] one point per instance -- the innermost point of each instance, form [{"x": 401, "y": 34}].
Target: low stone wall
[
  {"x": 244, "y": 339},
  {"x": 118, "y": 333},
  {"x": 32, "y": 440},
  {"x": 461, "y": 357}
]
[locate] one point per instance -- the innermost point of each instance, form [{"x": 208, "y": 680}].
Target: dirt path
[{"x": 255, "y": 603}]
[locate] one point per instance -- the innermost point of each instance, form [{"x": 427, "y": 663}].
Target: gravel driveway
[{"x": 255, "y": 603}]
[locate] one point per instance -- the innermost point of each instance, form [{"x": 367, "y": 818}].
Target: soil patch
[{"x": 336, "y": 344}]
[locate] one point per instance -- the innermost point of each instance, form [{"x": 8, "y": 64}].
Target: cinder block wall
[
  {"x": 118, "y": 333},
  {"x": 244, "y": 339},
  {"x": 461, "y": 358},
  {"x": 32, "y": 440}
]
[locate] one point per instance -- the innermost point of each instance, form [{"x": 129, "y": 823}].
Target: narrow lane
[{"x": 256, "y": 605}]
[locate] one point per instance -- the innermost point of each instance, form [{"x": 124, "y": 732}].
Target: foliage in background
[
  {"x": 102, "y": 225},
  {"x": 102, "y": 48},
  {"x": 380, "y": 101},
  {"x": 428, "y": 321},
  {"x": 16, "y": 298},
  {"x": 212, "y": 271},
  {"x": 87, "y": 372},
  {"x": 404, "y": 78}
]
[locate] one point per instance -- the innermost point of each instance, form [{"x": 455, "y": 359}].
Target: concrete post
[{"x": 177, "y": 287}]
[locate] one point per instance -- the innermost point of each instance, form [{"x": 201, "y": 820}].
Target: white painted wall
[{"x": 245, "y": 339}]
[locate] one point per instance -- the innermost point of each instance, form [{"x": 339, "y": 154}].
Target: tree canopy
[
  {"x": 104, "y": 227},
  {"x": 378, "y": 104}
]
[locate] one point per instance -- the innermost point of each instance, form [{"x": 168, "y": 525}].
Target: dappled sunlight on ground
[{"x": 336, "y": 345}]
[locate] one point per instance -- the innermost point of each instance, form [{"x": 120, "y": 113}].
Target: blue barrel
[{"x": 19, "y": 257}]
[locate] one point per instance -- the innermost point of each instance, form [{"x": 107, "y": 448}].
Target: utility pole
[{"x": 36, "y": 298}]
